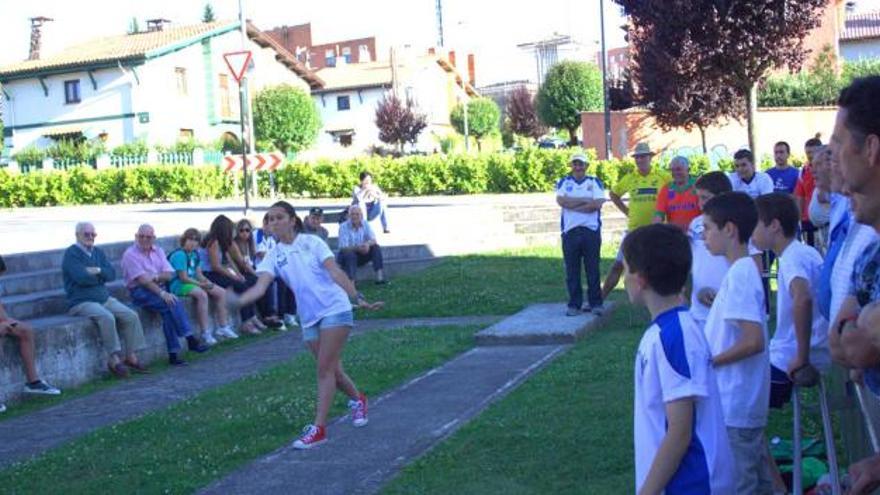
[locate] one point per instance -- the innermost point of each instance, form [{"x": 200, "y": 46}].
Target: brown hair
[{"x": 190, "y": 233}]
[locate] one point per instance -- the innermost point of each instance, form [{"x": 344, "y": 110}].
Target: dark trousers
[
  {"x": 246, "y": 312},
  {"x": 350, "y": 260},
  {"x": 285, "y": 302},
  {"x": 581, "y": 243},
  {"x": 175, "y": 323}
]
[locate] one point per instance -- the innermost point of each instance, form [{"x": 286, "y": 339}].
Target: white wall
[
  {"x": 360, "y": 117},
  {"x": 860, "y": 50}
]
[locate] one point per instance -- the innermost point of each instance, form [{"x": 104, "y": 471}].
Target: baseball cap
[
  {"x": 316, "y": 211},
  {"x": 578, "y": 157}
]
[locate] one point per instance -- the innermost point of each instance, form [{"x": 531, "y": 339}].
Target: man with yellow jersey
[{"x": 642, "y": 186}]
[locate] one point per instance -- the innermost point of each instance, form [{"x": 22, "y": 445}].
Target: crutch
[
  {"x": 830, "y": 451},
  {"x": 869, "y": 422}
]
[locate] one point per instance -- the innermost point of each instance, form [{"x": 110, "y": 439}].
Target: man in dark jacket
[{"x": 86, "y": 271}]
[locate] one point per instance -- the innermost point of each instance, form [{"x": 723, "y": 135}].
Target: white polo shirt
[
  {"x": 760, "y": 184},
  {"x": 673, "y": 362},
  {"x": 587, "y": 188}
]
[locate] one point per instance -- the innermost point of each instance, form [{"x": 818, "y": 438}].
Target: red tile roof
[{"x": 861, "y": 26}]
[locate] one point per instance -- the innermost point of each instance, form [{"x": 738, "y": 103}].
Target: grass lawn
[
  {"x": 498, "y": 283},
  {"x": 190, "y": 444},
  {"x": 566, "y": 430}
]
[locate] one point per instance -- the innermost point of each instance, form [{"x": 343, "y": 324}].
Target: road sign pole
[{"x": 244, "y": 151}]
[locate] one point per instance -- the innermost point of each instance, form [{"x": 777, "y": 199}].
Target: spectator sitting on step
[
  {"x": 25, "y": 335},
  {"x": 86, "y": 271},
  {"x": 244, "y": 255},
  {"x": 357, "y": 246},
  {"x": 189, "y": 281},
  {"x": 281, "y": 299},
  {"x": 146, "y": 271},
  {"x": 371, "y": 200},
  {"x": 217, "y": 265},
  {"x": 312, "y": 224}
]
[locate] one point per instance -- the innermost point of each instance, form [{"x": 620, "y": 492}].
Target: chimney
[
  {"x": 156, "y": 24},
  {"x": 432, "y": 51},
  {"x": 36, "y": 32},
  {"x": 452, "y": 57},
  {"x": 472, "y": 79}
]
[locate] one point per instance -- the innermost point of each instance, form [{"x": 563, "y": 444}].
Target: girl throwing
[{"x": 323, "y": 293}]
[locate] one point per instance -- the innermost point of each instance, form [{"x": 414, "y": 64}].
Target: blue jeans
[
  {"x": 175, "y": 323},
  {"x": 376, "y": 209},
  {"x": 581, "y": 243}
]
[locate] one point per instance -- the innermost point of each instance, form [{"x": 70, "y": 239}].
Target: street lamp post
[{"x": 605, "y": 95}]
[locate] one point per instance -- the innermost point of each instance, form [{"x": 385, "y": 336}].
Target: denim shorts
[{"x": 344, "y": 319}]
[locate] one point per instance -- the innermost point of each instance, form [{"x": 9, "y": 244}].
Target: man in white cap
[
  {"x": 581, "y": 197},
  {"x": 642, "y": 186}
]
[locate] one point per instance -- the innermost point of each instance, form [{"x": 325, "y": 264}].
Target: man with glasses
[
  {"x": 581, "y": 197},
  {"x": 146, "y": 271},
  {"x": 86, "y": 272}
]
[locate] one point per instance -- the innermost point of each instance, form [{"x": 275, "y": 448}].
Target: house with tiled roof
[
  {"x": 351, "y": 92},
  {"x": 158, "y": 86},
  {"x": 860, "y": 39}
]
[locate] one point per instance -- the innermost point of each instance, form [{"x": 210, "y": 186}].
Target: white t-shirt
[
  {"x": 673, "y": 362},
  {"x": 745, "y": 384},
  {"x": 588, "y": 188},
  {"x": 301, "y": 266},
  {"x": 804, "y": 262},
  {"x": 760, "y": 184},
  {"x": 707, "y": 270}
]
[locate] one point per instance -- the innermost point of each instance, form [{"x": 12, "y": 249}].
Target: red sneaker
[
  {"x": 312, "y": 437},
  {"x": 359, "y": 411}
]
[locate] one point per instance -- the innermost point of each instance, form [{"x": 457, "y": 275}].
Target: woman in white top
[{"x": 323, "y": 293}]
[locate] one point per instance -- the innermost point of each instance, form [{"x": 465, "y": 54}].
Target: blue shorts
[{"x": 344, "y": 319}]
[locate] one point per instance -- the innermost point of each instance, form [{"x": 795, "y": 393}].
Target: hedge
[{"x": 529, "y": 170}]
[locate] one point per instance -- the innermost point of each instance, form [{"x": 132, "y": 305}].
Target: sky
[{"x": 490, "y": 29}]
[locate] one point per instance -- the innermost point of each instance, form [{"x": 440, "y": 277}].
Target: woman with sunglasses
[
  {"x": 323, "y": 293},
  {"x": 246, "y": 260}
]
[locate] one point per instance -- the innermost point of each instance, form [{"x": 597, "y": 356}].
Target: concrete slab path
[
  {"x": 404, "y": 424},
  {"x": 31, "y": 434},
  {"x": 541, "y": 324}
]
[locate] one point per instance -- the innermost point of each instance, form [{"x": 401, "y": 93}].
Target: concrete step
[{"x": 531, "y": 214}]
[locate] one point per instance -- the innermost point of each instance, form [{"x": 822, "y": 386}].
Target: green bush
[
  {"x": 529, "y": 170},
  {"x": 134, "y": 148}
]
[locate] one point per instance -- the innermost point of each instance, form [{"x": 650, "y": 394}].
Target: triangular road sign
[{"x": 238, "y": 63}]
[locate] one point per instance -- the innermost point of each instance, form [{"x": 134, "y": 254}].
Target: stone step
[{"x": 532, "y": 214}]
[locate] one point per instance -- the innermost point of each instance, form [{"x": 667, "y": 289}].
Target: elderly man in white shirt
[{"x": 357, "y": 246}]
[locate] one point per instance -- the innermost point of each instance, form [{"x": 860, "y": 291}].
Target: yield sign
[{"x": 238, "y": 63}]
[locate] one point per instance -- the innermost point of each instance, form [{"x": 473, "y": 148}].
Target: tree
[
  {"x": 740, "y": 41},
  {"x": 208, "y": 13},
  {"x": 569, "y": 89},
  {"x": 522, "y": 118},
  {"x": 287, "y": 117},
  {"x": 399, "y": 123},
  {"x": 483, "y": 117},
  {"x": 675, "y": 85}
]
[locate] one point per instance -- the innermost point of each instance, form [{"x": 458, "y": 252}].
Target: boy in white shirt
[
  {"x": 737, "y": 334},
  {"x": 681, "y": 442},
  {"x": 708, "y": 269},
  {"x": 801, "y": 338}
]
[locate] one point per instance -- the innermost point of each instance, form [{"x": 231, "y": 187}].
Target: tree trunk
[
  {"x": 751, "y": 113},
  {"x": 703, "y": 139},
  {"x": 572, "y": 136},
  {"x": 479, "y": 145}
]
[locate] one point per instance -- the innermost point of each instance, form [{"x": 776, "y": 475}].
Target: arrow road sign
[{"x": 256, "y": 162}]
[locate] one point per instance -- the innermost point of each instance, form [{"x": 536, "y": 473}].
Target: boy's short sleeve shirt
[
  {"x": 745, "y": 384},
  {"x": 673, "y": 363},
  {"x": 707, "y": 269},
  {"x": 798, "y": 261}
]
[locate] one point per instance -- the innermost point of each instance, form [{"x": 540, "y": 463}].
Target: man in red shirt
[
  {"x": 803, "y": 192},
  {"x": 677, "y": 201}
]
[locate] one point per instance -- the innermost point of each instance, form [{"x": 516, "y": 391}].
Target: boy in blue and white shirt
[
  {"x": 581, "y": 197},
  {"x": 681, "y": 443}
]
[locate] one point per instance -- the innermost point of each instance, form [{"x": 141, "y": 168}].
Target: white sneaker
[
  {"x": 2, "y": 407},
  {"x": 226, "y": 332},
  {"x": 40, "y": 388},
  {"x": 290, "y": 321},
  {"x": 208, "y": 337}
]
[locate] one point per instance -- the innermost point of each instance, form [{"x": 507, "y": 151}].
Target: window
[
  {"x": 346, "y": 54},
  {"x": 343, "y": 103},
  {"x": 345, "y": 140},
  {"x": 330, "y": 57},
  {"x": 225, "y": 97},
  {"x": 71, "y": 92},
  {"x": 186, "y": 134},
  {"x": 180, "y": 79}
]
